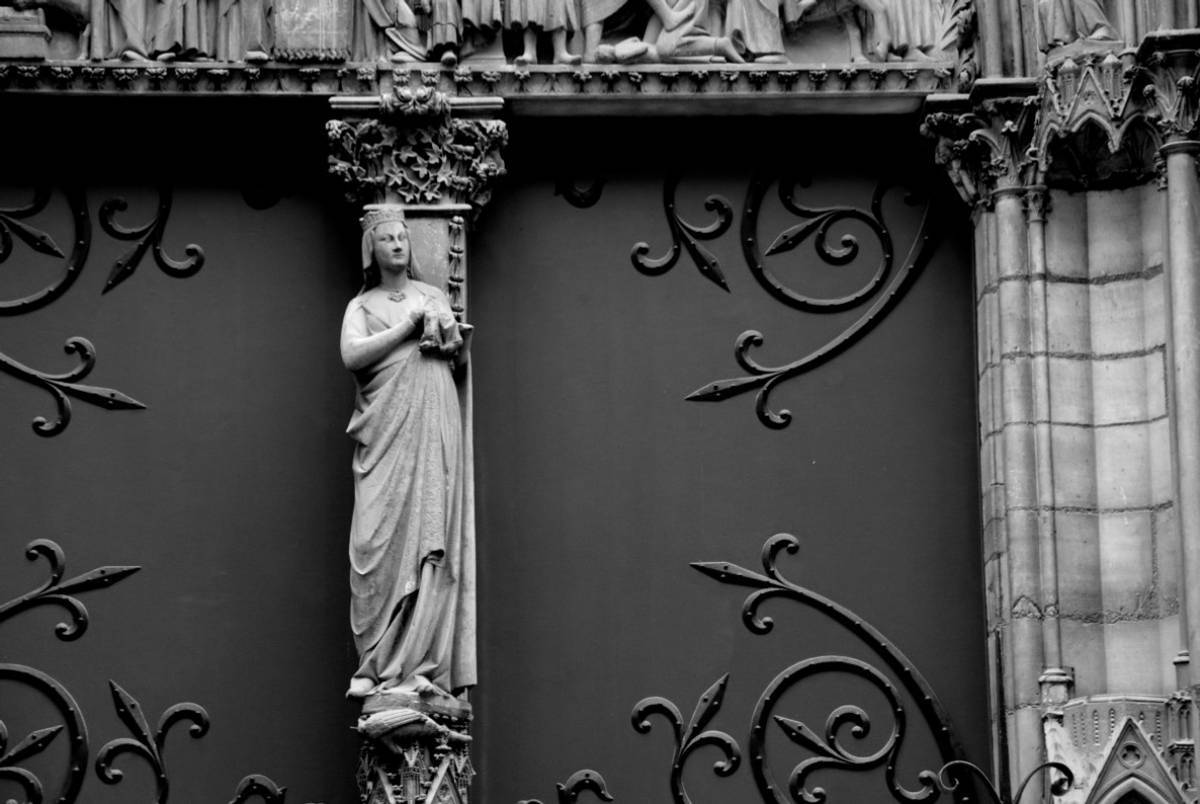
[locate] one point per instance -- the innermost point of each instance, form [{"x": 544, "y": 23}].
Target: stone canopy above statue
[{"x": 485, "y": 33}]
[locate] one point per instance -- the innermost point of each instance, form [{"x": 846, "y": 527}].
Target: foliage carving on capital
[
  {"x": 987, "y": 149},
  {"x": 416, "y": 152},
  {"x": 1169, "y": 91}
]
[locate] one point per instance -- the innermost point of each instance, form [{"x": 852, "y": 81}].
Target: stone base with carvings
[{"x": 414, "y": 751}]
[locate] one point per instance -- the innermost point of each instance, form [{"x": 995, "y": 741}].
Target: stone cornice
[{"x": 715, "y": 89}]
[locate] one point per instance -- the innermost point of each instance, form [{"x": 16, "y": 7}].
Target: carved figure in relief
[
  {"x": 411, "y": 542},
  {"x": 243, "y": 31},
  {"x": 911, "y": 29},
  {"x": 384, "y": 31},
  {"x": 756, "y": 27},
  {"x": 1067, "y": 21},
  {"x": 182, "y": 30},
  {"x": 118, "y": 30},
  {"x": 559, "y": 18},
  {"x": 679, "y": 30}
]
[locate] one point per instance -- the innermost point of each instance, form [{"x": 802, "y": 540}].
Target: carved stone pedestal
[
  {"x": 23, "y": 35},
  {"x": 415, "y": 756}
]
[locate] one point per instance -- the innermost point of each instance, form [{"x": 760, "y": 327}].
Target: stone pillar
[
  {"x": 437, "y": 159},
  {"x": 1089, "y": 364},
  {"x": 986, "y": 151},
  {"x": 1183, "y": 274}
]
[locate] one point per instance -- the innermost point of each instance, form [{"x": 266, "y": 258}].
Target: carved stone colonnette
[
  {"x": 417, "y": 160},
  {"x": 1087, "y": 219}
]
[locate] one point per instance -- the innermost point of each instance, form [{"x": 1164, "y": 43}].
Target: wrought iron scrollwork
[
  {"x": 684, "y": 235},
  {"x": 66, "y": 384},
  {"x": 143, "y": 743},
  {"x": 149, "y": 238},
  {"x": 827, "y": 748},
  {"x": 149, "y": 745},
  {"x": 14, "y": 226},
  {"x": 882, "y": 290},
  {"x": 578, "y": 782},
  {"x": 886, "y": 286},
  {"x": 692, "y": 736}
]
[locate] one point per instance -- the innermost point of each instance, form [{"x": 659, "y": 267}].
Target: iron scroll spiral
[{"x": 61, "y": 593}]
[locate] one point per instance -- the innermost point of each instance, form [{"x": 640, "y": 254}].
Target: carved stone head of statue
[{"x": 386, "y": 246}]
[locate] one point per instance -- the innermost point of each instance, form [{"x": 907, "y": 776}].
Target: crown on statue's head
[{"x": 375, "y": 214}]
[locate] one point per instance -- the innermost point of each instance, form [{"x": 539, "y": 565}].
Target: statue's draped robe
[
  {"x": 914, "y": 25},
  {"x": 117, "y": 26},
  {"x": 182, "y": 27},
  {"x": 754, "y": 26},
  {"x": 242, "y": 27},
  {"x": 412, "y": 562},
  {"x": 548, "y": 15},
  {"x": 1065, "y": 21},
  {"x": 372, "y": 18}
]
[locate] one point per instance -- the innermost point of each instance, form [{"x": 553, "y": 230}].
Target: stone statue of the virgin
[{"x": 412, "y": 549}]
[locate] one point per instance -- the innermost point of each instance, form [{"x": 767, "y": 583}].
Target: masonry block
[
  {"x": 1129, "y": 650},
  {"x": 1122, "y": 466},
  {"x": 1114, "y": 232},
  {"x": 1069, "y": 325},
  {"x": 1066, "y": 235},
  {"x": 1077, "y": 538},
  {"x": 1071, "y": 394},
  {"x": 1083, "y": 648},
  {"x": 1074, "y": 466},
  {"x": 1119, "y": 388},
  {"x": 1127, "y": 565},
  {"x": 1118, "y": 316}
]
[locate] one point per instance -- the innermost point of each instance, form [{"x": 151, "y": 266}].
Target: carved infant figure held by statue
[{"x": 412, "y": 576}]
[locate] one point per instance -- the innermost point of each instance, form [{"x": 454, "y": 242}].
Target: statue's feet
[
  {"x": 449, "y": 59},
  {"x": 256, "y": 57},
  {"x": 133, "y": 55},
  {"x": 563, "y": 57},
  {"x": 725, "y": 49},
  {"x": 605, "y": 54},
  {"x": 401, "y": 57},
  {"x": 1103, "y": 33},
  {"x": 771, "y": 58},
  {"x": 628, "y": 50},
  {"x": 525, "y": 59},
  {"x": 360, "y": 687}
]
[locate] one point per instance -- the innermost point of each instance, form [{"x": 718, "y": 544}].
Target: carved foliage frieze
[{"x": 417, "y": 152}]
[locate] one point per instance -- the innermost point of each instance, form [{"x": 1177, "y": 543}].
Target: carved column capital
[
  {"x": 1166, "y": 83},
  {"x": 417, "y": 146},
  {"x": 986, "y": 143}
]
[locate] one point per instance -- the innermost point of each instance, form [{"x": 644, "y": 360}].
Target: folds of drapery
[{"x": 412, "y": 574}]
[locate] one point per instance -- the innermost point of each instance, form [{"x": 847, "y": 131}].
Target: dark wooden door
[{"x": 598, "y": 483}]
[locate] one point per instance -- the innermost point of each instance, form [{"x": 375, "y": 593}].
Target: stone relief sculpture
[
  {"x": 595, "y": 31},
  {"x": 386, "y": 31},
  {"x": 679, "y": 30},
  {"x": 182, "y": 29},
  {"x": 411, "y": 550},
  {"x": 559, "y": 18},
  {"x": 1067, "y": 21},
  {"x": 756, "y": 27},
  {"x": 118, "y": 30},
  {"x": 243, "y": 31}
]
